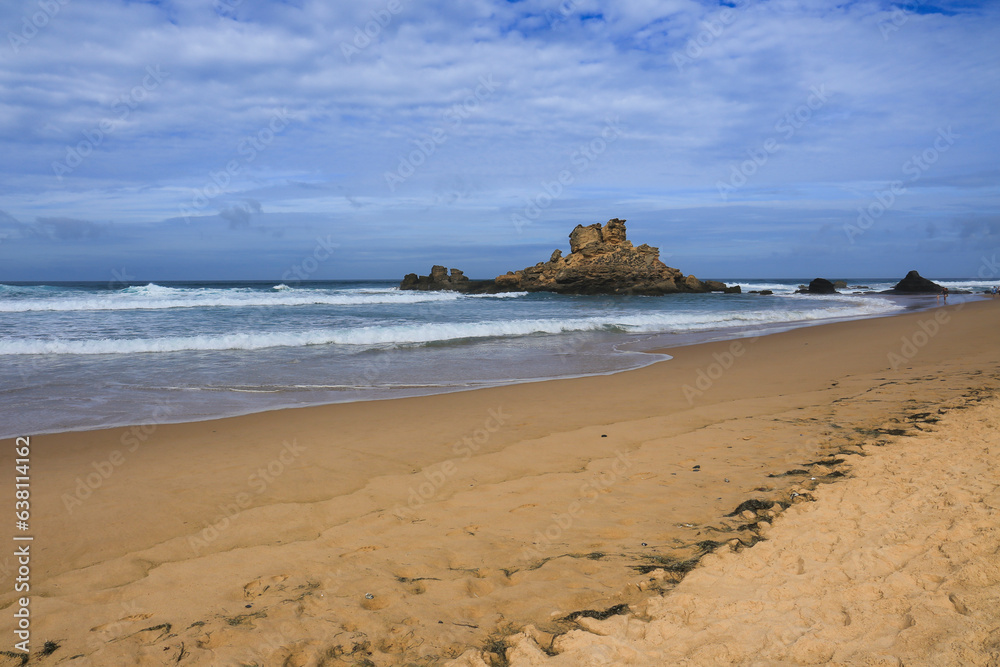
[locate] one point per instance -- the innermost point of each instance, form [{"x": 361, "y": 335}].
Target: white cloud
[{"x": 696, "y": 88}]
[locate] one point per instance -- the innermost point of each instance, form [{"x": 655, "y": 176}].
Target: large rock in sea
[
  {"x": 914, "y": 283},
  {"x": 821, "y": 286},
  {"x": 601, "y": 261}
]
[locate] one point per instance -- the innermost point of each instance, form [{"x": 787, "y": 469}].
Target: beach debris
[
  {"x": 726, "y": 479},
  {"x": 599, "y": 615},
  {"x": 753, "y": 505},
  {"x": 644, "y": 544},
  {"x": 369, "y": 596},
  {"x": 604, "y": 435},
  {"x": 696, "y": 468},
  {"x": 788, "y": 473}
]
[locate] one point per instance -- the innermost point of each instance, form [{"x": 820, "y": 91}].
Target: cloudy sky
[{"x": 255, "y": 139}]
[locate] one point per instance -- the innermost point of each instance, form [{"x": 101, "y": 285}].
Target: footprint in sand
[
  {"x": 369, "y": 547},
  {"x": 258, "y": 587},
  {"x": 117, "y": 624},
  {"x": 477, "y": 588}
]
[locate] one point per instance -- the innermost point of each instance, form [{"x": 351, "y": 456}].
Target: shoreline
[
  {"x": 434, "y": 505},
  {"x": 912, "y": 304}
]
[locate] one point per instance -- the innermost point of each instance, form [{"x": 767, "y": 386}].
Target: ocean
[{"x": 76, "y": 356}]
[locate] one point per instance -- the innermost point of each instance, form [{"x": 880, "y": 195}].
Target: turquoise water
[{"x": 90, "y": 355}]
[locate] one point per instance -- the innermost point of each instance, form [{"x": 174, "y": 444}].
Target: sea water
[{"x": 91, "y": 355}]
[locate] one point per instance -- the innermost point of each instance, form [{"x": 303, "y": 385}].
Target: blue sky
[{"x": 246, "y": 139}]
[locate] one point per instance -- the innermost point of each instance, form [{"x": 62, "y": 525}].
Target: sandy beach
[{"x": 840, "y": 479}]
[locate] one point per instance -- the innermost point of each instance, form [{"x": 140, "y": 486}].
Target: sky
[{"x": 308, "y": 139}]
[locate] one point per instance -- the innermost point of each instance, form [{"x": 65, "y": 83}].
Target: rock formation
[
  {"x": 440, "y": 280},
  {"x": 914, "y": 283},
  {"x": 819, "y": 286},
  {"x": 601, "y": 261}
]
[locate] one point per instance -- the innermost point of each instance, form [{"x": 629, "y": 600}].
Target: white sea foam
[
  {"x": 423, "y": 333},
  {"x": 156, "y": 297}
]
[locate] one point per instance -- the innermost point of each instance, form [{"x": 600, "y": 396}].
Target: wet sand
[{"x": 418, "y": 530}]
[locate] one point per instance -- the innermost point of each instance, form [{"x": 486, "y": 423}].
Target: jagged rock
[
  {"x": 601, "y": 261},
  {"x": 585, "y": 241},
  {"x": 694, "y": 284},
  {"x": 715, "y": 285},
  {"x": 840, "y": 284},
  {"x": 440, "y": 280},
  {"x": 613, "y": 233},
  {"x": 914, "y": 283}
]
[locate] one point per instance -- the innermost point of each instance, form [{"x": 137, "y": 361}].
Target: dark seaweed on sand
[
  {"x": 599, "y": 615},
  {"x": 753, "y": 505}
]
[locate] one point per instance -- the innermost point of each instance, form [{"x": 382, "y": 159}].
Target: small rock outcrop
[
  {"x": 440, "y": 280},
  {"x": 601, "y": 261},
  {"x": 914, "y": 283}
]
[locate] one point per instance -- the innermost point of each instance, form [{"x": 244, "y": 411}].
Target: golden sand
[{"x": 415, "y": 531}]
